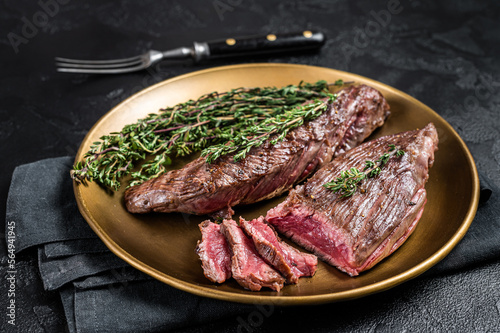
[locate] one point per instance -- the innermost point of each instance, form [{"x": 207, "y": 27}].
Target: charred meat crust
[
  {"x": 268, "y": 170},
  {"x": 356, "y": 232}
]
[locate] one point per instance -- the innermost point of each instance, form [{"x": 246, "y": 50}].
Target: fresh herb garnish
[
  {"x": 215, "y": 124},
  {"x": 347, "y": 183},
  {"x": 256, "y": 135}
]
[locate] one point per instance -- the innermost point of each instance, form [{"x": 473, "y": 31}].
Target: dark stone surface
[{"x": 444, "y": 53}]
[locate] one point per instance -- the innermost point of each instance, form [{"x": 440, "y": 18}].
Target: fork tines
[{"x": 100, "y": 66}]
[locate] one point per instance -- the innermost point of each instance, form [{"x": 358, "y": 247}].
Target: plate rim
[{"x": 283, "y": 300}]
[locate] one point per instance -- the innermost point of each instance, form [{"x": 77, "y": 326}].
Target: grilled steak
[
  {"x": 214, "y": 252},
  {"x": 354, "y": 233},
  {"x": 268, "y": 170},
  {"x": 292, "y": 263},
  {"x": 247, "y": 266}
]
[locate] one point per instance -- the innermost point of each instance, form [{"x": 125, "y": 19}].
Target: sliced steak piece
[
  {"x": 354, "y": 233},
  {"x": 247, "y": 266},
  {"x": 292, "y": 263},
  {"x": 268, "y": 170},
  {"x": 214, "y": 252}
]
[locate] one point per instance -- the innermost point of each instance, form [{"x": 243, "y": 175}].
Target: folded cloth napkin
[{"x": 102, "y": 293}]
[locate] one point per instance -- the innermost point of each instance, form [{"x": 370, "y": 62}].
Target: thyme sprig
[
  {"x": 347, "y": 182},
  {"x": 216, "y": 124},
  {"x": 256, "y": 135}
]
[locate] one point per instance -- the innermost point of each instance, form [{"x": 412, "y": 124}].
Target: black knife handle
[{"x": 265, "y": 43}]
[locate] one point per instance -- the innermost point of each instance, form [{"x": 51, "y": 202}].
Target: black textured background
[{"x": 444, "y": 53}]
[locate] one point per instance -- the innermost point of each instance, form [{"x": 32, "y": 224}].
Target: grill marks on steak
[
  {"x": 214, "y": 252},
  {"x": 292, "y": 263},
  {"x": 356, "y": 232},
  {"x": 247, "y": 266},
  {"x": 268, "y": 170}
]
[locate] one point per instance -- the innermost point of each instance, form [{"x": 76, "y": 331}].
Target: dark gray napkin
[
  {"x": 56, "y": 272},
  {"x": 143, "y": 306},
  {"x": 72, "y": 247},
  {"x": 102, "y": 293},
  {"x": 41, "y": 202},
  {"x": 122, "y": 276}
]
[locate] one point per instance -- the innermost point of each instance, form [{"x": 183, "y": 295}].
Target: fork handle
[{"x": 264, "y": 44}]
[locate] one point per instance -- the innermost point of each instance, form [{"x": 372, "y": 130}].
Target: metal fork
[
  {"x": 249, "y": 45},
  {"x": 118, "y": 66}
]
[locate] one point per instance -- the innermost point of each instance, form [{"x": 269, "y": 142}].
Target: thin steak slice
[
  {"x": 268, "y": 170},
  {"x": 247, "y": 266},
  {"x": 214, "y": 252},
  {"x": 292, "y": 263},
  {"x": 354, "y": 233}
]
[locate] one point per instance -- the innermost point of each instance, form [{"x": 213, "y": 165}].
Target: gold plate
[{"x": 162, "y": 245}]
